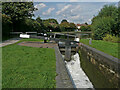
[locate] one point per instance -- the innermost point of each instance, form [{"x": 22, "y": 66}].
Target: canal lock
[{"x": 73, "y": 66}]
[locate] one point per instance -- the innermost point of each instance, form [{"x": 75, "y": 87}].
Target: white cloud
[
  {"x": 76, "y": 9},
  {"x": 75, "y": 17},
  {"x": 89, "y": 20},
  {"x": 39, "y": 6},
  {"x": 48, "y": 11},
  {"x": 63, "y": 9}
]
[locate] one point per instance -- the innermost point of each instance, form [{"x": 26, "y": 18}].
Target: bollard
[
  {"x": 45, "y": 39},
  {"x": 90, "y": 41}
]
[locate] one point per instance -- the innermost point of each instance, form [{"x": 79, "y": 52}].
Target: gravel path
[{"x": 38, "y": 44}]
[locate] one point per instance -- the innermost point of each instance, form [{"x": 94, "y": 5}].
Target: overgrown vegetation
[
  {"x": 104, "y": 46},
  {"x": 28, "y": 67},
  {"x": 111, "y": 38}
]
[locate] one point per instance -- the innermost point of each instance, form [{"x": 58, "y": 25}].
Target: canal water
[{"x": 79, "y": 77}]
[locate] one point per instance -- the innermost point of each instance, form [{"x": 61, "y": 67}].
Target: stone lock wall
[{"x": 108, "y": 65}]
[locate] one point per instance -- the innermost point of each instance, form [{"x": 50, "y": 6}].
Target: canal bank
[{"x": 103, "y": 70}]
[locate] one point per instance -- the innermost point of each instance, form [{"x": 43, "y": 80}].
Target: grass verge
[
  {"x": 28, "y": 67},
  {"x": 106, "y": 47}
]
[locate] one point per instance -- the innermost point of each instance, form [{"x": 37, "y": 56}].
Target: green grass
[
  {"x": 106, "y": 47},
  {"x": 28, "y": 67}
]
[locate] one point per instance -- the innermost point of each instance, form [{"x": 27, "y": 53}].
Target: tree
[
  {"x": 86, "y": 23},
  {"x": 83, "y": 28},
  {"x": 64, "y": 20},
  {"x": 109, "y": 11},
  {"x": 66, "y": 26},
  {"x": 51, "y": 24},
  {"x": 106, "y": 22},
  {"x": 18, "y": 11},
  {"x": 6, "y": 25},
  {"x": 102, "y": 26},
  {"x": 40, "y": 21},
  {"x": 73, "y": 26},
  {"x": 86, "y": 28}
]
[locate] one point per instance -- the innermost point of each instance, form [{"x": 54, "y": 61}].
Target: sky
[
  {"x": 76, "y": 0},
  {"x": 76, "y": 12}
]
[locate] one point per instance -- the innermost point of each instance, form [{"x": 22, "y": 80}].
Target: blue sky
[{"x": 77, "y": 12}]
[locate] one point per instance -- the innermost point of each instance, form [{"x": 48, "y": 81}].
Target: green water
[{"x": 94, "y": 74}]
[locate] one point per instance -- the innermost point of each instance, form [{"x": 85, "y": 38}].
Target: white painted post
[{"x": 54, "y": 35}]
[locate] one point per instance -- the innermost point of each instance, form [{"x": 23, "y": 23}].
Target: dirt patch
[{"x": 38, "y": 44}]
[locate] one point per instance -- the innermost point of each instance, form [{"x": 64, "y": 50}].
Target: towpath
[{"x": 10, "y": 41}]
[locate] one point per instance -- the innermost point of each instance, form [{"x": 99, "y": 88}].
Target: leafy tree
[
  {"x": 67, "y": 26},
  {"x": 106, "y": 22},
  {"x": 83, "y": 28},
  {"x": 86, "y": 23},
  {"x": 51, "y": 24},
  {"x": 64, "y": 20},
  {"x": 73, "y": 26},
  {"x": 102, "y": 26},
  {"x": 86, "y": 28},
  {"x": 18, "y": 11},
  {"x": 40, "y": 21},
  {"x": 109, "y": 11},
  {"x": 6, "y": 25},
  {"x": 64, "y": 26}
]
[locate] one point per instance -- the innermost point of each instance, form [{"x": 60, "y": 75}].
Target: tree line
[{"x": 17, "y": 17}]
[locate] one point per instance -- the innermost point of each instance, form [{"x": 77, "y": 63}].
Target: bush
[{"x": 111, "y": 38}]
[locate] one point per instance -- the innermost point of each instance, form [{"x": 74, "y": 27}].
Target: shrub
[{"x": 111, "y": 38}]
